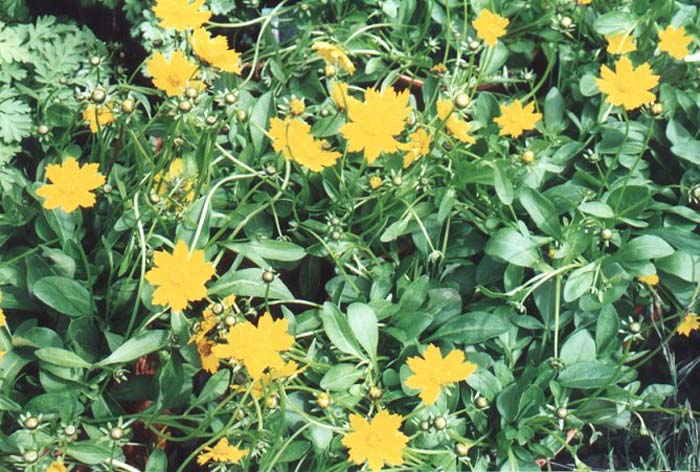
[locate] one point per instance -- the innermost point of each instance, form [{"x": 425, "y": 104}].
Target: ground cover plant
[{"x": 349, "y": 235}]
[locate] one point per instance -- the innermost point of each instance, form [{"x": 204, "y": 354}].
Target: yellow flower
[
  {"x": 221, "y": 452},
  {"x": 296, "y": 106},
  {"x": 257, "y": 347},
  {"x": 173, "y": 183},
  {"x": 3, "y": 320},
  {"x": 56, "y": 466},
  {"x": 172, "y": 76},
  {"x": 675, "y": 42},
  {"x": 341, "y": 97},
  {"x": 97, "y": 117},
  {"x": 418, "y": 146},
  {"x": 515, "y": 118},
  {"x": 215, "y": 51},
  {"x": 490, "y": 26},
  {"x": 374, "y": 122},
  {"x": 181, "y": 14},
  {"x": 377, "y": 442},
  {"x": 627, "y": 86},
  {"x": 652, "y": 279},
  {"x": 585, "y": 2},
  {"x": 293, "y": 138},
  {"x": 432, "y": 372},
  {"x": 375, "y": 182},
  {"x": 333, "y": 55},
  {"x": 179, "y": 277},
  {"x": 439, "y": 68},
  {"x": 210, "y": 362},
  {"x": 71, "y": 185},
  {"x": 621, "y": 43},
  {"x": 456, "y": 126},
  {"x": 290, "y": 369},
  {"x": 690, "y": 323},
  {"x": 2, "y": 354}
]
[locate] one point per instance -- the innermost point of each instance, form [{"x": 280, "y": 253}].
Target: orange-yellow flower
[
  {"x": 181, "y": 14},
  {"x": 98, "y": 117},
  {"x": 417, "y": 147},
  {"x": 334, "y": 54},
  {"x": 515, "y": 119},
  {"x": 376, "y": 442},
  {"x": 652, "y": 279},
  {"x": 375, "y": 182},
  {"x": 627, "y": 86},
  {"x": 215, "y": 51},
  {"x": 490, "y": 26},
  {"x": 675, "y": 42},
  {"x": 690, "y": 323},
  {"x": 375, "y": 122},
  {"x": 221, "y": 452},
  {"x": 432, "y": 372},
  {"x": 56, "y": 466},
  {"x": 453, "y": 123},
  {"x": 71, "y": 185},
  {"x": 292, "y": 137},
  {"x": 179, "y": 277},
  {"x": 172, "y": 76},
  {"x": 257, "y": 347},
  {"x": 621, "y": 43}
]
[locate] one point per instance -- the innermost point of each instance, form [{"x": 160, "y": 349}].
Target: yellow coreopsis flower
[
  {"x": 334, "y": 54},
  {"x": 215, "y": 51},
  {"x": 221, "y": 452},
  {"x": 172, "y": 76},
  {"x": 417, "y": 147},
  {"x": 179, "y": 277},
  {"x": 98, "y": 116},
  {"x": 181, "y": 14},
  {"x": 210, "y": 362},
  {"x": 3, "y": 320},
  {"x": 627, "y": 86},
  {"x": 292, "y": 137},
  {"x": 453, "y": 123},
  {"x": 515, "y": 119},
  {"x": 375, "y": 182},
  {"x": 297, "y": 107},
  {"x": 56, "y": 466},
  {"x": 376, "y": 442},
  {"x": 690, "y": 323},
  {"x": 621, "y": 43},
  {"x": 374, "y": 122},
  {"x": 432, "y": 372},
  {"x": 652, "y": 279},
  {"x": 257, "y": 347},
  {"x": 71, "y": 185},
  {"x": 490, "y": 26},
  {"x": 675, "y": 42}
]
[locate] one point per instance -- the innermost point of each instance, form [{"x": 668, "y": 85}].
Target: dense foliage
[{"x": 334, "y": 235}]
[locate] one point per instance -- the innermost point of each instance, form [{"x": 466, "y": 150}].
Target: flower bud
[
  {"x": 95, "y": 61},
  {"x": 241, "y": 115},
  {"x": 128, "y": 105},
  {"x": 185, "y": 106},
  {"x": 606, "y": 234},
  {"x": 31, "y": 423},
  {"x": 323, "y": 400},
  {"x": 98, "y": 95},
  {"x": 42, "y": 130},
  {"x": 481, "y": 403},
  {"x": 440, "y": 423},
  {"x": 191, "y": 92},
  {"x": 330, "y": 70},
  {"x": 268, "y": 276},
  {"x": 462, "y": 100},
  {"x": 528, "y": 157},
  {"x": 461, "y": 449},
  {"x": 116, "y": 433},
  {"x": 30, "y": 457},
  {"x": 562, "y": 412},
  {"x": 566, "y": 22},
  {"x": 376, "y": 393},
  {"x": 230, "y": 98}
]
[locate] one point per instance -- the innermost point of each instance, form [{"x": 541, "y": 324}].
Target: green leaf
[
  {"x": 269, "y": 249},
  {"x": 579, "y": 282},
  {"x": 363, "y": 322},
  {"x": 588, "y": 85},
  {"x": 259, "y": 118},
  {"x": 472, "y": 328},
  {"x": 140, "y": 345},
  {"x": 681, "y": 264},
  {"x": 157, "y": 461},
  {"x": 338, "y": 330},
  {"x": 217, "y": 385},
  {"x": 541, "y": 210},
  {"x": 63, "y": 295},
  {"x": 249, "y": 283},
  {"x": 8, "y": 404},
  {"x": 504, "y": 187},
  {"x": 61, "y": 357},
  {"x": 509, "y": 245},
  {"x": 614, "y": 22},
  {"x": 599, "y": 209},
  {"x": 606, "y": 327},
  {"x": 340, "y": 377},
  {"x": 15, "y": 118},
  {"x": 89, "y": 452},
  {"x": 587, "y": 375},
  {"x": 579, "y": 347},
  {"x": 688, "y": 150},
  {"x": 554, "y": 111},
  {"x": 644, "y": 248}
]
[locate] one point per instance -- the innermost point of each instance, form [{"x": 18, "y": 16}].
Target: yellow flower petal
[
  {"x": 71, "y": 185},
  {"x": 515, "y": 119},
  {"x": 627, "y": 86},
  {"x": 621, "y": 43},
  {"x": 293, "y": 139},
  {"x": 490, "y": 26},
  {"x": 172, "y": 76},
  {"x": 432, "y": 372},
  {"x": 376, "y": 442},
  {"x": 221, "y": 452},
  {"x": 215, "y": 51},
  {"x": 690, "y": 323},
  {"x": 181, "y": 14},
  {"x": 675, "y": 42}
]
